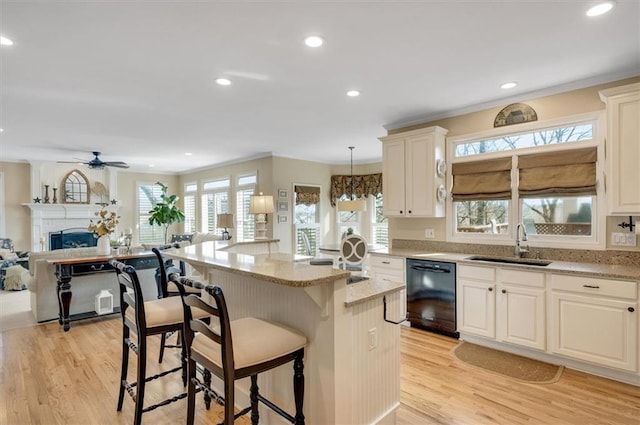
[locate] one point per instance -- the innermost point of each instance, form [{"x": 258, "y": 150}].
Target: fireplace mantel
[{"x": 47, "y": 218}]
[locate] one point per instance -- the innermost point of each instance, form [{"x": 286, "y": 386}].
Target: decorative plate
[
  {"x": 441, "y": 193},
  {"x": 441, "y": 167}
]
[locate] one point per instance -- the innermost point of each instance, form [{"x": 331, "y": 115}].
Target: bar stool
[
  {"x": 236, "y": 349},
  {"x": 145, "y": 318},
  {"x": 168, "y": 289}
]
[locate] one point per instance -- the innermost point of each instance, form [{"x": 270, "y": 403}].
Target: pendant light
[{"x": 353, "y": 204}]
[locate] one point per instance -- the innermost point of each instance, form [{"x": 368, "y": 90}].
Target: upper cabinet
[
  {"x": 623, "y": 149},
  {"x": 413, "y": 170}
]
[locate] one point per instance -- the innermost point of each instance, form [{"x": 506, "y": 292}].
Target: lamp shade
[
  {"x": 261, "y": 204},
  {"x": 225, "y": 220},
  {"x": 352, "y": 205}
]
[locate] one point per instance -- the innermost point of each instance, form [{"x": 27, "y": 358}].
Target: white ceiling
[{"x": 135, "y": 80}]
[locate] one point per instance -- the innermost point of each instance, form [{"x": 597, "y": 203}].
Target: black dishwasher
[{"x": 431, "y": 296}]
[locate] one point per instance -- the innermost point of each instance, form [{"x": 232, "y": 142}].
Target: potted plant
[
  {"x": 102, "y": 228},
  {"x": 166, "y": 212}
]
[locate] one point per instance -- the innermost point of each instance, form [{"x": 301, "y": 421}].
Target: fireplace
[{"x": 71, "y": 238}]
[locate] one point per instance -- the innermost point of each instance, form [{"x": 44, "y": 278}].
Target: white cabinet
[
  {"x": 476, "y": 300},
  {"x": 411, "y": 180},
  {"x": 623, "y": 149},
  {"x": 595, "y": 320},
  {"x": 520, "y": 308}
]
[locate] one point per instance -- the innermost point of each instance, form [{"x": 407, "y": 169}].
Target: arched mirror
[{"x": 76, "y": 188}]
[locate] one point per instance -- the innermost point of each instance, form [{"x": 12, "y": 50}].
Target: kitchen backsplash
[{"x": 626, "y": 258}]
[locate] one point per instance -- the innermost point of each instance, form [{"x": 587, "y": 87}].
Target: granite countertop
[
  {"x": 368, "y": 289},
  {"x": 613, "y": 271},
  {"x": 282, "y": 269}
]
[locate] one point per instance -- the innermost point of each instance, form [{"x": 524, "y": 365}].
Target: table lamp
[
  {"x": 225, "y": 220},
  {"x": 261, "y": 205}
]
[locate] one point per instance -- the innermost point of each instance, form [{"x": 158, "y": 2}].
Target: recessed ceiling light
[
  {"x": 313, "y": 41},
  {"x": 1, "y": 130},
  {"x": 152, "y": 165},
  {"x": 188, "y": 154},
  {"x": 600, "y": 8},
  {"x": 510, "y": 85},
  {"x": 223, "y": 81},
  {"x": 5, "y": 41},
  {"x": 353, "y": 93}
]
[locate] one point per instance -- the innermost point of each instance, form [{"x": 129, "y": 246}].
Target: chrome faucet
[{"x": 521, "y": 250}]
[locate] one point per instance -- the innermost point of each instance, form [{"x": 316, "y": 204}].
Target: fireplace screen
[{"x": 71, "y": 238}]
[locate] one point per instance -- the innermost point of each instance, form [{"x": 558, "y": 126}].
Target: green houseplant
[{"x": 166, "y": 211}]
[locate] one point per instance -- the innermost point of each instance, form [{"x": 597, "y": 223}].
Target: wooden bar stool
[
  {"x": 145, "y": 318},
  {"x": 168, "y": 289},
  {"x": 235, "y": 350}
]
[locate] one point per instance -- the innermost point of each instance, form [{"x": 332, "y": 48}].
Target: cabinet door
[
  {"x": 393, "y": 182},
  {"x": 623, "y": 185},
  {"x": 476, "y": 307},
  {"x": 521, "y": 316},
  {"x": 420, "y": 169},
  {"x": 598, "y": 330}
]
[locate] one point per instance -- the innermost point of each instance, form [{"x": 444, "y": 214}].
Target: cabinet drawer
[
  {"x": 388, "y": 277},
  {"x": 477, "y": 273},
  {"x": 379, "y": 261},
  {"x": 522, "y": 278},
  {"x": 98, "y": 267},
  {"x": 589, "y": 285}
]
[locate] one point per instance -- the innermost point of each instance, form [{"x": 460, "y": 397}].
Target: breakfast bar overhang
[{"x": 352, "y": 361}]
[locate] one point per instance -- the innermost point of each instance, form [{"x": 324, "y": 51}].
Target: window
[
  {"x": 380, "y": 224},
  {"x": 246, "y": 186},
  {"x": 307, "y": 217},
  {"x": 148, "y": 196},
  {"x": 550, "y": 189},
  {"x": 190, "y": 207},
  {"x": 348, "y": 220},
  {"x": 215, "y": 200}
]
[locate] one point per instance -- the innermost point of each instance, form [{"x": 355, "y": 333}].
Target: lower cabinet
[
  {"x": 392, "y": 269},
  {"x": 476, "y": 299},
  {"x": 595, "y": 320}
]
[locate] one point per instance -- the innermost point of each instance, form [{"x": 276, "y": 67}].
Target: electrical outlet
[
  {"x": 623, "y": 239},
  {"x": 429, "y": 233},
  {"x": 373, "y": 338}
]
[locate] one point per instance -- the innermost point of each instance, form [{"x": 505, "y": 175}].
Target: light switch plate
[{"x": 429, "y": 233}]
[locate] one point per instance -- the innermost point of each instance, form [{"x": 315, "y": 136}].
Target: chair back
[
  {"x": 222, "y": 336},
  {"x": 166, "y": 266},
  {"x": 353, "y": 250},
  {"x": 305, "y": 241},
  {"x": 130, "y": 293}
]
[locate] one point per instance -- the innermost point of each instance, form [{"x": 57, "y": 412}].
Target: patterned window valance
[
  {"x": 307, "y": 195},
  {"x": 363, "y": 186}
]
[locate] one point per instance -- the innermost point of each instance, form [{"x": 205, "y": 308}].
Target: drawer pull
[
  {"x": 386, "y": 262},
  {"x": 591, "y": 286},
  {"x": 97, "y": 268},
  {"x": 631, "y": 309}
]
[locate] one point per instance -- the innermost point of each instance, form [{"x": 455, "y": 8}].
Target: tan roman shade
[
  {"x": 482, "y": 180},
  {"x": 558, "y": 173}
]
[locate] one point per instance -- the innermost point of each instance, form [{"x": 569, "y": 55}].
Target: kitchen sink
[{"x": 510, "y": 260}]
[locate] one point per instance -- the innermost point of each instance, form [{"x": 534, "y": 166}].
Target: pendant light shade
[{"x": 352, "y": 204}]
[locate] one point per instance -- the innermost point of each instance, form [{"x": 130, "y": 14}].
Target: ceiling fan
[{"x": 98, "y": 164}]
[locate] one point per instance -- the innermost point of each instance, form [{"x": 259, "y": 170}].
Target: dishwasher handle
[{"x": 431, "y": 269}]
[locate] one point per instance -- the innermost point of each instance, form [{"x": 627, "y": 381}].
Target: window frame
[
  {"x": 189, "y": 192},
  {"x": 237, "y": 188},
  {"x": 139, "y": 216},
  {"x": 597, "y": 239},
  {"x": 315, "y": 227},
  {"x": 204, "y": 224}
]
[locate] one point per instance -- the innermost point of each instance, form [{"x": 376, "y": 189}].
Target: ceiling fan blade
[
  {"x": 72, "y": 162},
  {"x": 118, "y": 164}
]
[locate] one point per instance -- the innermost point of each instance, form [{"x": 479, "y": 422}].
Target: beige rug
[{"x": 507, "y": 364}]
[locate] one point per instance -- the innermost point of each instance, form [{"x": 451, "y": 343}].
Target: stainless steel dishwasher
[{"x": 431, "y": 296}]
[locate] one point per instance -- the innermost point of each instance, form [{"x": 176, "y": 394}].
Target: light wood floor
[{"x": 50, "y": 377}]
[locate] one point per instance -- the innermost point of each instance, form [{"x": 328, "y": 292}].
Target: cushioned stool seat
[
  {"x": 165, "y": 311},
  {"x": 254, "y": 341}
]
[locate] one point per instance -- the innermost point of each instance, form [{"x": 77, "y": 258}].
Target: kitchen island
[{"x": 352, "y": 360}]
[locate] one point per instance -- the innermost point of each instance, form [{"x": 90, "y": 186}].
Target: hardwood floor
[{"x": 50, "y": 377}]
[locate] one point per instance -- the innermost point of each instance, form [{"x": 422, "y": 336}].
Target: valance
[
  {"x": 363, "y": 186},
  {"x": 307, "y": 195}
]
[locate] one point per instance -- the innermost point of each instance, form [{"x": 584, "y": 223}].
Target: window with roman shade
[
  {"x": 482, "y": 180},
  {"x": 564, "y": 173},
  {"x": 307, "y": 195}
]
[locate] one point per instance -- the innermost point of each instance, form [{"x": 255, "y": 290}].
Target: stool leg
[
  {"x": 125, "y": 365},
  {"x": 191, "y": 391},
  {"x": 298, "y": 387},
  {"x": 253, "y": 396},
  {"x": 163, "y": 339},
  {"x": 142, "y": 376},
  {"x": 206, "y": 377}
]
